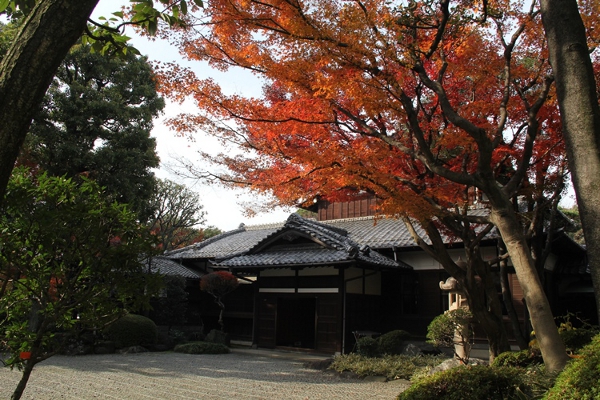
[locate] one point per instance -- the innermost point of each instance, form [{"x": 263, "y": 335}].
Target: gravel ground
[{"x": 245, "y": 374}]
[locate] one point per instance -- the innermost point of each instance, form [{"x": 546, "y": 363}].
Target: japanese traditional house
[{"x": 310, "y": 284}]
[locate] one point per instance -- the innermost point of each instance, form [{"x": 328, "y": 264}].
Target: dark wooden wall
[{"x": 362, "y": 207}]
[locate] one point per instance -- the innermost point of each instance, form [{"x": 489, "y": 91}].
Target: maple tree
[
  {"x": 218, "y": 284},
  {"x": 427, "y": 104}
]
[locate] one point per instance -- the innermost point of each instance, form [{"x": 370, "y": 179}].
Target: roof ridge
[
  {"x": 270, "y": 225},
  {"x": 206, "y": 242}
]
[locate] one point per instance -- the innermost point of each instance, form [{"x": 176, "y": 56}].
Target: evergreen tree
[{"x": 95, "y": 121}]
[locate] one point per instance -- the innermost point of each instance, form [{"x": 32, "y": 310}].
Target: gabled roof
[{"x": 304, "y": 242}]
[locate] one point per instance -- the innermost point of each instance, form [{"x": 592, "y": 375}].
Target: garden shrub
[
  {"x": 367, "y": 347},
  {"x": 467, "y": 382},
  {"x": 579, "y": 380},
  {"x": 201, "y": 348},
  {"x": 393, "y": 342},
  {"x": 392, "y": 367},
  {"x": 132, "y": 330},
  {"x": 576, "y": 338},
  {"x": 441, "y": 331},
  {"x": 575, "y": 333},
  {"x": 522, "y": 359}
]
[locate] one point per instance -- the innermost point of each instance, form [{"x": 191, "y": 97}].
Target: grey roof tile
[
  {"x": 165, "y": 266},
  {"x": 279, "y": 258},
  {"x": 352, "y": 235}
]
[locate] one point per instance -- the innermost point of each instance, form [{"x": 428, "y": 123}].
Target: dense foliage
[
  {"x": 96, "y": 120},
  {"x": 579, "y": 380},
  {"x": 467, "y": 382},
  {"x": 70, "y": 261}
]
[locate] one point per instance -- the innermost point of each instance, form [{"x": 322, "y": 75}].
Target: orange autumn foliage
[{"x": 404, "y": 101}]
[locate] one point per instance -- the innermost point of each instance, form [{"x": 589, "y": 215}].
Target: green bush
[
  {"x": 392, "y": 367},
  {"x": 393, "y": 342},
  {"x": 132, "y": 330},
  {"x": 367, "y": 347},
  {"x": 201, "y": 348},
  {"x": 579, "y": 380},
  {"x": 576, "y": 338},
  {"x": 522, "y": 359},
  {"x": 467, "y": 382}
]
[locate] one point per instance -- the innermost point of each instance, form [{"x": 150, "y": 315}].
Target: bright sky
[{"x": 223, "y": 206}]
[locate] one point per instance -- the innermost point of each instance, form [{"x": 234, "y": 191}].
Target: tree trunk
[
  {"x": 551, "y": 345},
  {"x": 578, "y": 102},
  {"x": 28, "y": 67},
  {"x": 487, "y": 309},
  {"x": 24, "y": 379}
]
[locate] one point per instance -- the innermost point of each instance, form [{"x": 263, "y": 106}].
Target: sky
[{"x": 223, "y": 206}]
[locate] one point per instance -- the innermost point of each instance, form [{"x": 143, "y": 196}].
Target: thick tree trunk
[
  {"x": 576, "y": 90},
  {"x": 551, "y": 345},
  {"x": 26, "y": 71}
]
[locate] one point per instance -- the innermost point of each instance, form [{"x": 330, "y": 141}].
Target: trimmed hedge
[
  {"x": 367, "y": 347},
  {"x": 392, "y": 367},
  {"x": 201, "y": 348},
  {"x": 467, "y": 382},
  {"x": 579, "y": 380},
  {"x": 393, "y": 342},
  {"x": 522, "y": 359},
  {"x": 132, "y": 330}
]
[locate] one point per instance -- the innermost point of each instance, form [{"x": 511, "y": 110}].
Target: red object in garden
[{"x": 25, "y": 355}]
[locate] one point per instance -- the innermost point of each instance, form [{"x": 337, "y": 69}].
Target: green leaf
[
  {"x": 199, "y": 3},
  {"x": 152, "y": 27},
  {"x": 3, "y": 5},
  {"x": 184, "y": 8}
]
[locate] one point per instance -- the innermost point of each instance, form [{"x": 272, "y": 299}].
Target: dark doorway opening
[{"x": 296, "y": 322}]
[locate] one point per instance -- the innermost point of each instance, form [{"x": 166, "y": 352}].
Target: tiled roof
[
  {"x": 352, "y": 235},
  {"x": 166, "y": 266},
  {"x": 334, "y": 246},
  {"x": 380, "y": 233},
  {"x": 288, "y": 257},
  {"x": 223, "y": 245}
]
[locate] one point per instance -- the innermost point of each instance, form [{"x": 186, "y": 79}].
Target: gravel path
[{"x": 239, "y": 375}]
